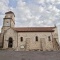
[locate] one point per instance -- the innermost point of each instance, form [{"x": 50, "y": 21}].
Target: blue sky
[
  {"x": 12, "y": 3},
  {"x": 32, "y": 12}
]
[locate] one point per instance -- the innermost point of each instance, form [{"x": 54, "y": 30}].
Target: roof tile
[{"x": 34, "y": 29}]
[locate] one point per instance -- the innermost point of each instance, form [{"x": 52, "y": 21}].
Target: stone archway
[{"x": 10, "y": 43}]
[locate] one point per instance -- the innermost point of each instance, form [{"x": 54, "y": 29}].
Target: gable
[{"x": 10, "y": 31}]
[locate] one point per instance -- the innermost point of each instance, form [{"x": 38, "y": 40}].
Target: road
[{"x": 31, "y": 55}]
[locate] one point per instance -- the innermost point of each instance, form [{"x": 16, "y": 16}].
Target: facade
[{"x": 27, "y": 38}]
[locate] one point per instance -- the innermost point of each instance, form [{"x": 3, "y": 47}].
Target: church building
[{"x": 27, "y": 38}]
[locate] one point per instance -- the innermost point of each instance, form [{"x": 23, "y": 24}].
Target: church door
[{"x": 10, "y": 43}]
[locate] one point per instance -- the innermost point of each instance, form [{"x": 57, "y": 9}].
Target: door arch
[{"x": 10, "y": 43}]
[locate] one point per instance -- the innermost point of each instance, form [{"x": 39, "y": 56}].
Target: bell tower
[{"x": 8, "y": 21}]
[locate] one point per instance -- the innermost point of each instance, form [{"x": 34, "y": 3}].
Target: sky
[{"x": 31, "y": 13}]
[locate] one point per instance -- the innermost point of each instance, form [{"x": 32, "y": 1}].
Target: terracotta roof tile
[{"x": 34, "y": 29}]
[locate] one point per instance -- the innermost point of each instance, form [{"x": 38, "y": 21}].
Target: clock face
[{"x": 7, "y": 23}]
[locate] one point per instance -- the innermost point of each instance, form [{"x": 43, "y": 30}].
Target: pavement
[{"x": 29, "y": 55}]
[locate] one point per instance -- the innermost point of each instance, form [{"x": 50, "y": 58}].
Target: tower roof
[{"x": 10, "y": 12}]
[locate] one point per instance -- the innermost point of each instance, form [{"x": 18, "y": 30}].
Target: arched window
[
  {"x": 49, "y": 38},
  {"x": 36, "y": 38},
  {"x": 21, "y": 39}
]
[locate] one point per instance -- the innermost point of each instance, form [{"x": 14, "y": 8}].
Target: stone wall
[
  {"x": 29, "y": 42},
  {"x": 0, "y": 40},
  {"x": 10, "y": 33}
]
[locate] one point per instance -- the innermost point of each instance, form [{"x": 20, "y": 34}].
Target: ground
[{"x": 16, "y": 55}]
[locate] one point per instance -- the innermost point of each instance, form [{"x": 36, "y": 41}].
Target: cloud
[
  {"x": 40, "y": 1},
  {"x": 36, "y": 13},
  {"x": 3, "y": 8}
]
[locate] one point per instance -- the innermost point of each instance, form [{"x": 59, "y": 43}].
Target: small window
[
  {"x": 7, "y": 21},
  {"x": 49, "y": 38},
  {"x": 21, "y": 39},
  {"x": 36, "y": 38}
]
